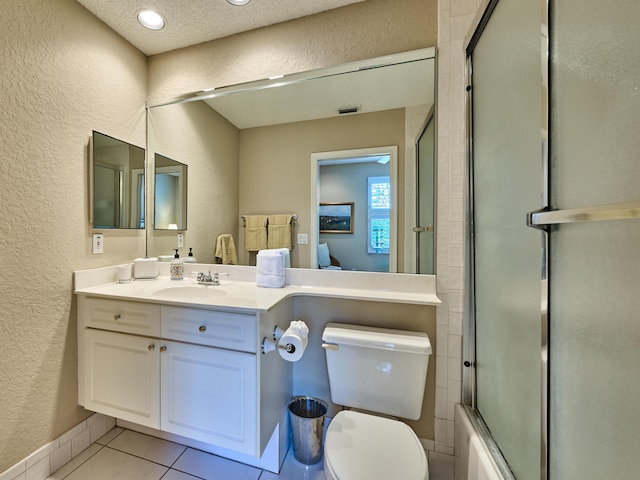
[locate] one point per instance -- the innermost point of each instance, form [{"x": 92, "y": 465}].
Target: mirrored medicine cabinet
[{"x": 117, "y": 173}]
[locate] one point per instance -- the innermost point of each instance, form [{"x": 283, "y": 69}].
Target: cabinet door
[
  {"x": 122, "y": 376},
  {"x": 210, "y": 395}
]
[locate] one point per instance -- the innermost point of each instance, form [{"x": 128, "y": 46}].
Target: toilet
[{"x": 380, "y": 373}]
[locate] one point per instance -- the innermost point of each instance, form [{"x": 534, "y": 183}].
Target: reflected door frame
[{"x": 322, "y": 157}]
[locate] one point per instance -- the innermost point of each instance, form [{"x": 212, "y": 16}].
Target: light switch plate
[
  {"x": 180, "y": 240},
  {"x": 98, "y": 243},
  {"x": 303, "y": 239}
]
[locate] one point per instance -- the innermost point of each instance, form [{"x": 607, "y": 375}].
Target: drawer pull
[
  {"x": 151, "y": 347},
  {"x": 202, "y": 329},
  {"x": 116, "y": 317},
  {"x": 163, "y": 349}
]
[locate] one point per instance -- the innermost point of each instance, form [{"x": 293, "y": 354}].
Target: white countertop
[{"x": 239, "y": 291}]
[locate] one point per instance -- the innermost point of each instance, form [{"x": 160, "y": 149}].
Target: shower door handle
[
  {"x": 428, "y": 228},
  {"x": 544, "y": 217}
]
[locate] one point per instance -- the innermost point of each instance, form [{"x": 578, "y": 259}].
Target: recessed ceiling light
[
  {"x": 151, "y": 20},
  {"x": 238, "y": 2}
]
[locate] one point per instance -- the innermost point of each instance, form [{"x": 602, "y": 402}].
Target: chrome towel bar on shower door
[{"x": 613, "y": 211}]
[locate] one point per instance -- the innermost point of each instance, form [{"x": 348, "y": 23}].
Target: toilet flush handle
[{"x": 330, "y": 346}]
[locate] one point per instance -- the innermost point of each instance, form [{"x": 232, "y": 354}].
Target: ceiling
[{"x": 189, "y": 22}]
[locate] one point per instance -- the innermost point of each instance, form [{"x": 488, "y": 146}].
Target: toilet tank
[{"x": 377, "y": 369}]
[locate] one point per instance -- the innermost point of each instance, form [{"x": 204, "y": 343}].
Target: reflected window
[{"x": 378, "y": 213}]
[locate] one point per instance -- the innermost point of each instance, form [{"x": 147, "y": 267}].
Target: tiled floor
[{"x": 127, "y": 455}]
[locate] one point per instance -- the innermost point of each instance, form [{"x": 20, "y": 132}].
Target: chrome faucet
[{"x": 207, "y": 279}]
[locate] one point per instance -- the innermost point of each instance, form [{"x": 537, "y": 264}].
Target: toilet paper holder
[{"x": 273, "y": 345}]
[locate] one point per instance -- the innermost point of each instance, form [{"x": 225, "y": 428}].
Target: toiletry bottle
[
  {"x": 176, "y": 268},
  {"x": 190, "y": 258}
]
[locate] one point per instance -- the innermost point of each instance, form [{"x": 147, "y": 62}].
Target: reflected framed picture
[{"x": 336, "y": 217}]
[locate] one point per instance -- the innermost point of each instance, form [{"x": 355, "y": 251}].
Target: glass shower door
[
  {"x": 425, "y": 193},
  {"x": 595, "y": 265},
  {"x": 507, "y": 170}
]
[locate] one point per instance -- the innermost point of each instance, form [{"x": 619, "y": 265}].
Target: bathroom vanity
[{"x": 177, "y": 358}]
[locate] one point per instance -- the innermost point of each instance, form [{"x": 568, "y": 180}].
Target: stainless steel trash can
[{"x": 307, "y": 426}]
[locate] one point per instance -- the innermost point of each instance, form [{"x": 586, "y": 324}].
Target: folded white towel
[
  {"x": 270, "y": 265},
  {"x": 270, "y": 262},
  {"x": 270, "y": 281}
]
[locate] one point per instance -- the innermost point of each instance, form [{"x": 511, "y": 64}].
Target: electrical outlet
[
  {"x": 98, "y": 243},
  {"x": 180, "y": 240},
  {"x": 303, "y": 239}
]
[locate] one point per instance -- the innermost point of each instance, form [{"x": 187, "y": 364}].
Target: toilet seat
[{"x": 360, "y": 446}]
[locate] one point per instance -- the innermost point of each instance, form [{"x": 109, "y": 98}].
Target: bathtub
[{"x": 473, "y": 459}]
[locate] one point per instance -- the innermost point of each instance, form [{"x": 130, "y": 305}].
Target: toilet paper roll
[{"x": 297, "y": 342}]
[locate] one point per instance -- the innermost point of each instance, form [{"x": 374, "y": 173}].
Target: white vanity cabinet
[
  {"x": 121, "y": 376},
  {"x": 190, "y": 372}
]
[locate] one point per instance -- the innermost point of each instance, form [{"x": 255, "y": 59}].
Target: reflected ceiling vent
[{"x": 346, "y": 110}]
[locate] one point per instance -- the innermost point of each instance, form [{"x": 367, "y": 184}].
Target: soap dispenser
[
  {"x": 176, "y": 268},
  {"x": 190, "y": 258}
]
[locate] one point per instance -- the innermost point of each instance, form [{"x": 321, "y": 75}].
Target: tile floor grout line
[
  {"x": 136, "y": 456},
  {"x": 181, "y": 471},
  {"x": 85, "y": 461}
]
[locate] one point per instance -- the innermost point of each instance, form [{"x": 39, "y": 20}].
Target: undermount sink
[{"x": 190, "y": 291}]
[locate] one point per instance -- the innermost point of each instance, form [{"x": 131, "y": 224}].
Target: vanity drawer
[
  {"x": 234, "y": 331},
  {"x": 119, "y": 316}
]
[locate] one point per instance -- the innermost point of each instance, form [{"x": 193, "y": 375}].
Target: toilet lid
[{"x": 365, "y": 447}]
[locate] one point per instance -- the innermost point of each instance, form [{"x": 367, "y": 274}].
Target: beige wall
[
  {"x": 275, "y": 164},
  {"x": 63, "y": 74},
  {"x": 310, "y": 373},
  {"x": 359, "y": 31}
]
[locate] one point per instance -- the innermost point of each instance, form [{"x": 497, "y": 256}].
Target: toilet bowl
[
  {"x": 360, "y": 446},
  {"x": 382, "y": 371}
]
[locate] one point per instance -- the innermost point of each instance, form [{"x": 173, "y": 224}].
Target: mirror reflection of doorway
[{"x": 366, "y": 178}]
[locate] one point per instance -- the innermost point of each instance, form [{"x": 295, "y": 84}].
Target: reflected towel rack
[{"x": 294, "y": 218}]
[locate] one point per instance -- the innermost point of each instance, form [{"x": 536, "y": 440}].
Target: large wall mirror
[
  {"x": 249, "y": 151},
  {"x": 117, "y": 183}
]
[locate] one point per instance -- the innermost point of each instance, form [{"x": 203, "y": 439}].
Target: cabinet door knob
[
  {"x": 116, "y": 317},
  {"x": 151, "y": 347},
  {"x": 163, "y": 349},
  {"x": 202, "y": 328}
]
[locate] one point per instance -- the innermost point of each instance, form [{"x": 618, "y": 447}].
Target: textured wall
[
  {"x": 363, "y": 30},
  {"x": 63, "y": 74}
]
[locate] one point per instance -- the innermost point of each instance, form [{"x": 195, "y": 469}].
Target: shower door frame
[{"x": 469, "y": 343}]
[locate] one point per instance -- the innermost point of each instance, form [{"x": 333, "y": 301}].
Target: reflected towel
[
  {"x": 279, "y": 231},
  {"x": 226, "y": 249},
  {"x": 255, "y": 235}
]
